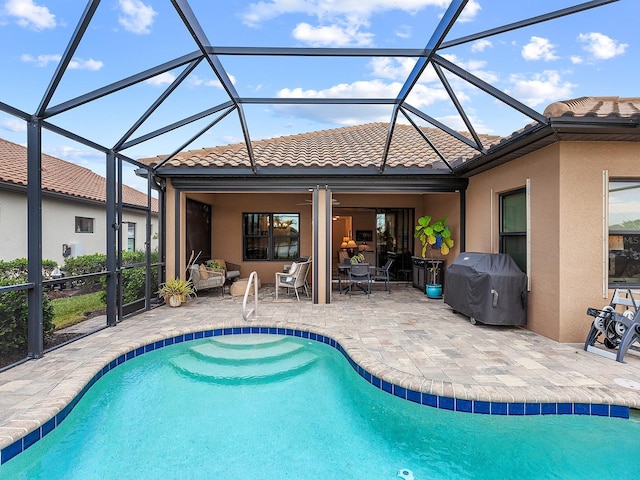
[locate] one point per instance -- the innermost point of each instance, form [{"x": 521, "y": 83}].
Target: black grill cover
[{"x": 488, "y": 287}]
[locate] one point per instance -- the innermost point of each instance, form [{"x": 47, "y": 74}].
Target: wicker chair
[
  {"x": 295, "y": 278},
  {"x": 204, "y": 277}
]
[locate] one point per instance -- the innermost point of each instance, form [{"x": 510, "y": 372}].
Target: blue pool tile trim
[{"x": 480, "y": 407}]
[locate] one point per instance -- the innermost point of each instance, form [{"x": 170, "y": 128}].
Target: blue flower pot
[{"x": 434, "y": 291}]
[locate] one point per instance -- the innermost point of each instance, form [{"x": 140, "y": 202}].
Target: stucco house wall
[
  {"x": 13, "y": 225},
  {"x": 58, "y": 226},
  {"x": 567, "y": 235}
]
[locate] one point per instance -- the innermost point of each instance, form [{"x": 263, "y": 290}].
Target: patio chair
[
  {"x": 360, "y": 276},
  {"x": 231, "y": 270},
  {"x": 204, "y": 277},
  {"x": 382, "y": 274},
  {"x": 295, "y": 278}
]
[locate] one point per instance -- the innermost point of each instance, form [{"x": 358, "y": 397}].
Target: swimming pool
[{"x": 268, "y": 406}]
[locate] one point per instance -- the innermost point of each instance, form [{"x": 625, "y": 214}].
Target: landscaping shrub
[
  {"x": 13, "y": 315},
  {"x": 133, "y": 280},
  {"x": 16, "y": 270},
  {"x": 83, "y": 265}
]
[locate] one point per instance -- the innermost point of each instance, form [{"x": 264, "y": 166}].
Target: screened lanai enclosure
[{"x": 115, "y": 114}]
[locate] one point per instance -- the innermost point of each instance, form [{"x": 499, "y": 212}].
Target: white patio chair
[{"x": 295, "y": 278}]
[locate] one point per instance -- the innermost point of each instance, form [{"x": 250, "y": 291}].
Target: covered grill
[{"x": 487, "y": 287}]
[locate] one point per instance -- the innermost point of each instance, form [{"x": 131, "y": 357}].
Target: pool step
[
  {"x": 217, "y": 352},
  {"x": 243, "y": 373},
  {"x": 244, "y": 359},
  {"x": 247, "y": 341}
]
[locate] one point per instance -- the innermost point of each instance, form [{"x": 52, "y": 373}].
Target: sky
[{"x": 591, "y": 53}]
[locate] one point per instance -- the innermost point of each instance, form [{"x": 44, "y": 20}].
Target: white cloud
[
  {"x": 421, "y": 95},
  {"x": 393, "y": 68},
  {"x": 331, "y": 36},
  {"x": 161, "y": 79},
  {"x": 136, "y": 16},
  {"x": 14, "y": 125},
  {"x": 601, "y": 46},
  {"x": 262, "y": 11},
  {"x": 40, "y": 60},
  {"x": 196, "y": 81},
  {"x": 575, "y": 59},
  {"x": 470, "y": 11},
  {"x": 403, "y": 31},
  {"x": 476, "y": 67},
  {"x": 87, "y": 158},
  {"x": 80, "y": 64},
  {"x": 542, "y": 89},
  {"x": 74, "y": 64},
  {"x": 481, "y": 45},
  {"x": 30, "y": 15},
  {"x": 361, "y": 89},
  {"x": 350, "y": 17},
  {"x": 539, "y": 48}
]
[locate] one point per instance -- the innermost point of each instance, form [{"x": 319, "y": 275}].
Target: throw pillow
[
  {"x": 292, "y": 270},
  {"x": 204, "y": 275}
]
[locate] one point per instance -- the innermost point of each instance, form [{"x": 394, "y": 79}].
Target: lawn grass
[{"x": 71, "y": 310}]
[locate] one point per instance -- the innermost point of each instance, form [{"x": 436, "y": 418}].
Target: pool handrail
[{"x": 253, "y": 279}]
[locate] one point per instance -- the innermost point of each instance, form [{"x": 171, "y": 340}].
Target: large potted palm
[{"x": 436, "y": 236}]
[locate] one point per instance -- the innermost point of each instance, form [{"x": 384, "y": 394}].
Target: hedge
[{"x": 14, "y": 310}]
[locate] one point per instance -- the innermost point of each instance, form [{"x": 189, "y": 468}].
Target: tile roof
[
  {"x": 363, "y": 145},
  {"x": 595, "y": 107},
  {"x": 60, "y": 176},
  {"x": 334, "y": 148}
]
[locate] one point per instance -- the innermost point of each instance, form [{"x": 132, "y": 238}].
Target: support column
[
  {"x": 321, "y": 245},
  {"x": 111, "y": 229},
  {"x": 463, "y": 221},
  {"x": 35, "y": 341}
]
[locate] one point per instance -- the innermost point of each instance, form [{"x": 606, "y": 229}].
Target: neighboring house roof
[
  {"x": 357, "y": 146},
  {"x": 62, "y": 177}
]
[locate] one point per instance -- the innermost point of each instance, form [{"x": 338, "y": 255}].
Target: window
[
  {"x": 513, "y": 226},
  {"x": 84, "y": 225},
  {"x": 624, "y": 233},
  {"x": 271, "y": 236},
  {"x": 131, "y": 236}
]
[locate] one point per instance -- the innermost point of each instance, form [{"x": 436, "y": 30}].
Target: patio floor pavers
[{"x": 403, "y": 338}]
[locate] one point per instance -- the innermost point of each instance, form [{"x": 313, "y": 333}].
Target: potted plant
[
  {"x": 433, "y": 235},
  {"x": 357, "y": 258},
  {"x": 176, "y": 291}
]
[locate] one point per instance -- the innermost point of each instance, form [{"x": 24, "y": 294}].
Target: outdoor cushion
[{"x": 204, "y": 275}]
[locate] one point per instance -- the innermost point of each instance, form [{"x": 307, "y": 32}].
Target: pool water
[{"x": 272, "y": 407}]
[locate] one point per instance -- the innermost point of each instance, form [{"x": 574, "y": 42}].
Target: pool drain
[{"x": 406, "y": 474}]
